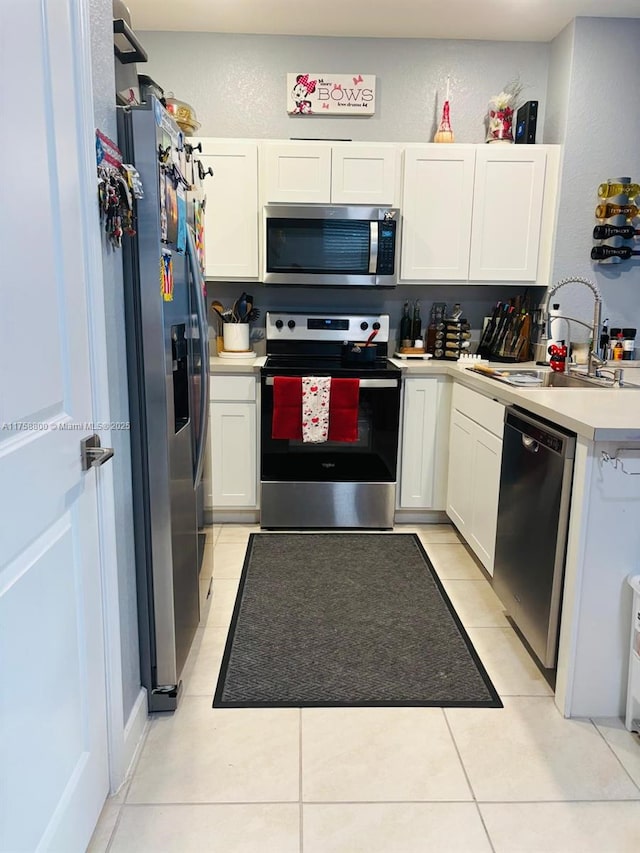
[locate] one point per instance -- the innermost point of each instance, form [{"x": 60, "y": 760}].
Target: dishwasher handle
[{"x": 539, "y": 434}]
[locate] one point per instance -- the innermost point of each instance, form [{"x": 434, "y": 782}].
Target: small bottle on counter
[
  {"x": 618, "y": 349},
  {"x": 417, "y": 321},
  {"x": 406, "y": 328}
]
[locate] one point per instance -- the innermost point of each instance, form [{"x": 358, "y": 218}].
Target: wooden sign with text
[{"x": 331, "y": 94}]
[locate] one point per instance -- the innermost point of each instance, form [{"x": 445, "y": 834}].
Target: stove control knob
[
  {"x": 364, "y": 325},
  {"x": 376, "y": 325},
  {"x": 279, "y": 324},
  {"x": 291, "y": 324}
]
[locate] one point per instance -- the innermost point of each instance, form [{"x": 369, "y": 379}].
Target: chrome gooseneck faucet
[{"x": 594, "y": 362}]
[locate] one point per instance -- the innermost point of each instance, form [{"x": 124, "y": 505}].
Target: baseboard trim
[
  {"x": 134, "y": 731},
  {"x": 412, "y": 516},
  {"x": 234, "y": 516}
]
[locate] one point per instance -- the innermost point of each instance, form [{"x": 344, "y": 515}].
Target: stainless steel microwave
[{"x": 336, "y": 245}]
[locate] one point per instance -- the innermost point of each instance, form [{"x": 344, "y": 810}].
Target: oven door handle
[
  {"x": 373, "y": 247},
  {"x": 364, "y": 383}
]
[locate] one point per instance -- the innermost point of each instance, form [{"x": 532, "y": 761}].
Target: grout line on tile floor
[
  {"x": 451, "y": 802},
  {"x": 301, "y": 804},
  {"x": 615, "y": 754},
  {"x": 455, "y": 746},
  {"x": 484, "y": 826}
]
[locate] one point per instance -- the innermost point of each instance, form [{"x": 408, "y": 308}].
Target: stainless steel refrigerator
[{"x": 167, "y": 361}]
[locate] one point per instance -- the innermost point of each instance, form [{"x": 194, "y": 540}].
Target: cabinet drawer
[
  {"x": 483, "y": 410},
  {"x": 233, "y": 388}
]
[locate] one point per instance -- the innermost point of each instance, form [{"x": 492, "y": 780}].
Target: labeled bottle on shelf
[
  {"x": 610, "y": 189},
  {"x": 604, "y": 211},
  {"x": 628, "y": 336},
  {"x": 601, "y": 253},
  {"x": 604, "y": 232},
  {"x": 406, "y": 328},
  {"x": 628, "y": 348},
  {"x": 618, "y": 348}
]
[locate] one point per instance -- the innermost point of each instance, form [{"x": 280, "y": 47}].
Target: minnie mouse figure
[
  {"x": 558, "y": 353},
  {"x": 302, "y": 88}
]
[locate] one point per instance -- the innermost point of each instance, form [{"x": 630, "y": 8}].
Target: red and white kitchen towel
[{"x": 315, "y": 408}]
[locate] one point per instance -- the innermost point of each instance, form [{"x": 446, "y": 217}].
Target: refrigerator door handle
[{"x": 203, "y": 326}]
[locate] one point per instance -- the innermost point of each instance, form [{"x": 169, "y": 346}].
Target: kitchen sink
[{"x": 532, "y": 379}]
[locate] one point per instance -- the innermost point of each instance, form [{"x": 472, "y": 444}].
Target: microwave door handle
[{"x": 373, "y": 247}]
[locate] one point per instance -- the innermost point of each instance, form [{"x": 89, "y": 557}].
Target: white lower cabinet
[
  {"x": 233, "y": 437},
  {"x": 425, "y": 420},
  {"x": 475, "y": 455}
]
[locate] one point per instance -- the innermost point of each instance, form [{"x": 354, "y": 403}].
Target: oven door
[
  {"x": 329, "y": 245},
  {"x": 372, "y": 457},
  {"x": 333, "y": 484}
]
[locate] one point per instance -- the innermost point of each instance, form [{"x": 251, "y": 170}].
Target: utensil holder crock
[{"x": 236, "y": 337}]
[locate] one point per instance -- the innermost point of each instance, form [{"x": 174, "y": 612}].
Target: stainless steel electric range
[{"x": 348, "y": 484}]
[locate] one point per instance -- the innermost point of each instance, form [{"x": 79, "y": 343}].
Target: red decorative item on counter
[{"x": 558, "y": 357}]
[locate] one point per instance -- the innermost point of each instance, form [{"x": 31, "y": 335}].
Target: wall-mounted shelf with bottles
[{"x": 616, "y": 232}]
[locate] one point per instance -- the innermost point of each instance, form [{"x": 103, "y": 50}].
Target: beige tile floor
[{"x": 376, "y": 780}]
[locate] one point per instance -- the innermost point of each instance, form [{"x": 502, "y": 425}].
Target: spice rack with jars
[{"x": 616, "y": 212}]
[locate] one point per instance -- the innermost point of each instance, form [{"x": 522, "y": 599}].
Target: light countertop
[{"x": 607, "y": 414}]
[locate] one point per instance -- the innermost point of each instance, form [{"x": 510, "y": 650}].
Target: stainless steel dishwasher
[{"x": 533, "y": 517}]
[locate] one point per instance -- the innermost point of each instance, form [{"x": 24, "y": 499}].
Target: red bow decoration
[
  {"x": 337, "y": 86},
  {"x": 357, "y": 80},
  {"x": 309, "y": 85}
]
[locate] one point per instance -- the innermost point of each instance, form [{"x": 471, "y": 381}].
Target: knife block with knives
[{"x": 507, "y": 335}]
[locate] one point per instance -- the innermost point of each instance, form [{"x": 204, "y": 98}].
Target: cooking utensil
[
  {"x": 218, "y": 307},
  {"x": 240, "y": 308},
  {"x": 367, "y": 352}
]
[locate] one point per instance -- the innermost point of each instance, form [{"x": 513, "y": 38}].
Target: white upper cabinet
[
  {"x": 231, "y": 212},
  {"x": 364, "y": 174},
  {"x": 478, "y": 212},
  {"x": 436, "y": 212},
  {"x": 297, "y": 173},
  {"x": 507, "y": 212},
  {"x": 323, "y": 173}
]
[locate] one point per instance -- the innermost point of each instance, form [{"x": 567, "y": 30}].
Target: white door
[
  {"x": 231, "y": 213},
  {"x": 234, "y": 469},
  {"x": 460, "y": 479},
  {"x": 507, "y": 212},
  {"x": 485, "y": 488},
  {"x": 297, "y": 172},
  {"x": 436, "y": 212},
  {"x": 363, "y": 174},
  {"x": 53, "y": 733},
  {"x": 419, "y": 437}
]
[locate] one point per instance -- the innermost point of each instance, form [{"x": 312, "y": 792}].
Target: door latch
[{"x": 92, "y": 454}]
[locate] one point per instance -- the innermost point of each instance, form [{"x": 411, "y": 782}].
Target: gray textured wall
[
  {"x": 105, "y": 118},
  {"x": 237, "y": 83},
  {"x": 601, "y": 141}
]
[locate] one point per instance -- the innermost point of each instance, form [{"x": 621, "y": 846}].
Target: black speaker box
[{"x": 526, "y": 119}]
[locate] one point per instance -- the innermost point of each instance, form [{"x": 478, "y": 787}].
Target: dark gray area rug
[{"x": 336, "y": 619}]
